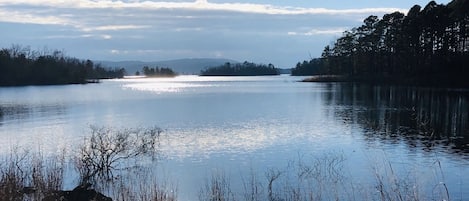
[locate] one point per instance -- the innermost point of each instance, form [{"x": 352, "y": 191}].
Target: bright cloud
[
  {"x": 197, "y": 5},
  {"x": 115, "y": 52},
  {"x": 327, "y": 31},
  {"x": 21, "y": 17},
  {"x": 115, "y": 27},
  {"x": 106, "y": 15}
]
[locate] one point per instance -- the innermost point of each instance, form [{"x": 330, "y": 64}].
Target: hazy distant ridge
[{"x": 181, "y": 66}]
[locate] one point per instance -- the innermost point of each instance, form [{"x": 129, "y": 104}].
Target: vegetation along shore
[
  {"x": 428, "y": 46},
  {"x": 22, "y": 66},
  {"x": 108, "y": 168}
]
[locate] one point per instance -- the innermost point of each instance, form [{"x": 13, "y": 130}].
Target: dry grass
[
  {"x": 326, "y": 178},
  {"x": 108, "y": 161},
  {"x": 30, "y": 176},
  {"x": 142, "y": 184},
  {"x": 318, "y": 179},
  {"x": 217, "y": 189}
]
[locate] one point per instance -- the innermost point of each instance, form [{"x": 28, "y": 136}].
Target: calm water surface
[{"x": 237, "y": 124}]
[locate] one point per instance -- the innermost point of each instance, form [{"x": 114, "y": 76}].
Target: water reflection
[
  {"x": 13, "y": 112},
  {"x": 420, "y": 117},
  {"x": 22, "y": 112},
  {"x": 161, "y": 87}
]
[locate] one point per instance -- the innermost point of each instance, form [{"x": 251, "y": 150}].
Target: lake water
[{"x": 237, "y": 124}]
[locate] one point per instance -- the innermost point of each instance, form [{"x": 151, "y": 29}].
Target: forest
[
  {"x": 428, "y": 46},
  {"x": 20, "y": 66},
  {"x": 240, "y": 69},
  {"x": 158, "y": 72}
]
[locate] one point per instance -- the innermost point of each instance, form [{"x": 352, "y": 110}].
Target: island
[
  {"x": 158, "y": 72},
  {"x": 241, "y": 69}
]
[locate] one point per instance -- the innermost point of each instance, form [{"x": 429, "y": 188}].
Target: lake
[{"x": 241, "y": 125}]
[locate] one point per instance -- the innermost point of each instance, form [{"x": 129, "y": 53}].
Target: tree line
[
  {"x": 240, "y": 69},
  {"x": 158, "y": 72},
  {"x": 22, "y": 66},
  {"x": 428, "y": 45}
]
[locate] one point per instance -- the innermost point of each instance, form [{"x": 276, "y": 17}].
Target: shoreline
[{"x": 438, "y": 81}]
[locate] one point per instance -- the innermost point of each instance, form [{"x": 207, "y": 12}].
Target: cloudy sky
[{"x": 280, "y": 32}]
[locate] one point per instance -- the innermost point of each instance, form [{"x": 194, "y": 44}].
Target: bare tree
[{"x": 107, "y": 150}]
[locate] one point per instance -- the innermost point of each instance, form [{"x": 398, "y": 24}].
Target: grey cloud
[{"x": 153, "y": 31}]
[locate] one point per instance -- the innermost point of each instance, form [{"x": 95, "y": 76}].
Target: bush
[{"x": 107, "y": 150}]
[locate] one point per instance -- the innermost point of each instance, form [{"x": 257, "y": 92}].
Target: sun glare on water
[
  {"x": 181, "y": 83},
  {"x": 160, "y": 87},
  {"x": 164, "y": 85}
]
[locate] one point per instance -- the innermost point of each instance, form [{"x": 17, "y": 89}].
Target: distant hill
[
  {"x": 181, "y": 66},
  {"x": 284, "y": 70}
]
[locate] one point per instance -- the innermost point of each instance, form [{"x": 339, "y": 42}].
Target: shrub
[{"x": 107, "y": 150}]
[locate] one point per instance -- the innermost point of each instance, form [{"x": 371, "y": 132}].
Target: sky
[{"x": 280, "y": 32}]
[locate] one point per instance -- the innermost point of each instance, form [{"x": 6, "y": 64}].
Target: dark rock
[
  {"x": 28, "y": 190},
  {"x": 80, "y": 193}
]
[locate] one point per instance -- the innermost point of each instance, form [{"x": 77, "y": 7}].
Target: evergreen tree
[
  {"x": 426, "y": 46},
  {"x": 21, "y": 66}
]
